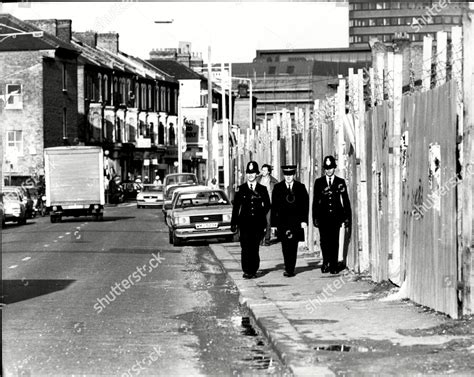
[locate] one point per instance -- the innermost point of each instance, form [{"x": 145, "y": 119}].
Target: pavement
[{"x": 306, "y": 316}]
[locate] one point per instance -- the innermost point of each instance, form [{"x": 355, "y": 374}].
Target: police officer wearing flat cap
[
  {"x": 331, "y": 208},
  {"x": 251, "y": 204},
  {"x": 289, "y": 215}
]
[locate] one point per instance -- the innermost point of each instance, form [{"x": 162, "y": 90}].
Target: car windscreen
[
  {"x": 185, "y": 178},
  {"x": 197, "y": 199},
  {"x": 153, "y": 188},
  {"x": 10, "y": 196}
]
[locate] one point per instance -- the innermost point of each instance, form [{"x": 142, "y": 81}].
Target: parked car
[
  {"x": 150, "y": 196},
  {"x": 172, "y": 192},
  {"x": 199, "y": 213},
  {"x": 172, "y": 182},
  {"x": 13, "y": 207},
  {"x": 2, "y": 212},
  {"x": 25, "y": 197}
]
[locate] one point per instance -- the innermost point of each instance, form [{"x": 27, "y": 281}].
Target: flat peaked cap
[
  {"x": 252, "y": 167},
  {"x": 329, "y": 162},
  {"x": 289, "y": 169}
]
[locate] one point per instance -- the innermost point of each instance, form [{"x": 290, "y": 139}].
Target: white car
[
  {"x": 13, "y": 208},
  {"x": 199, "y": 212},
  {"x": 150, "y": 196}
]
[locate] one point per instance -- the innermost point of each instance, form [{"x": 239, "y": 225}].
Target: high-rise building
[{"x": 382, "y": 19}]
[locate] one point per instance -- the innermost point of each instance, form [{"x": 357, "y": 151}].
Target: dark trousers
[
  {"x": 290, "y": 249},
  {"x": 329, "y": 240},
  {"x": 250, "y": 244},
  {"x": 268, "y": 229}
]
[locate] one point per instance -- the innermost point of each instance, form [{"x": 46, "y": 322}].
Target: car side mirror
[{"x": 167, "y": 206}]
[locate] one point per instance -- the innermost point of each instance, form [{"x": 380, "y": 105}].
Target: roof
[
  {"x": 313, "y": 50},
  {"x": 28, "y": 42},
  {"x": 177, "y": 70},
  {"x": 298, "y": 68}
]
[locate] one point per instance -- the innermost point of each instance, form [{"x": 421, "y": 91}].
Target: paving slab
[{"x": 313, "y": 312}]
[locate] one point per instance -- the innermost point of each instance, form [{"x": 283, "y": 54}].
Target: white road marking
[
  {"x": 26, "y": 258},
  {"x": 45, "y": 245},
  {"x": 14, "y": 266},
  {"x": 68, "y": 233},
  {"x": 60, "y": 236}
]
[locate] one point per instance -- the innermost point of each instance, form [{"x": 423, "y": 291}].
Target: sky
[{"x": 234, "y": 30}]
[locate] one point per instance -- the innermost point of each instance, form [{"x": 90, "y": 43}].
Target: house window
[
  {"x": 168, "y": 99},
  {"x": 271, "y": 70},
  {"x": 106, "y": 88},
  {"x": 101, "y": 93},
  {"x": 150, "y": 97},
  {"x": 64, "y": 77},
  {"x": 290, "y": 69},
  {"x": 143, "y": 99},
  {"x": 14, "y": 98},
  {"x": 15, "y": 143}
]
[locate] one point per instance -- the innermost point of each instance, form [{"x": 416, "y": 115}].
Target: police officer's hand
[
  {"x": 233, "y": 228},
  {"x": 304, "y": 225}
]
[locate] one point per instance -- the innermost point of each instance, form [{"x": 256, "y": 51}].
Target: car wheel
[
  {"x": 170, "y": 236},
  {"x": 22, "y": 221},
  {"x": 176, "y": 240},
  {"x": 53, "y": 219}
]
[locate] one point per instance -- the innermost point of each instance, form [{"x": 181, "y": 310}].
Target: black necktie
[
  {"x": 251, "y": 187},
  {"x": 330, "y": 181}
]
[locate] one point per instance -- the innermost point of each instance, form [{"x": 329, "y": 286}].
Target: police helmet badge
[
  {"x": 329, "y": 162},
  {"x": 252, "y": 167}
]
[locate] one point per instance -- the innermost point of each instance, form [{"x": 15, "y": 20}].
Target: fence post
[
  {"x": 339, "y": 125},
  {"x": 397, "y": 83},
  {"x": 426, "y": 68},
  {"x": 466, "y": 186},
  {"x": 362, "y": 176}
]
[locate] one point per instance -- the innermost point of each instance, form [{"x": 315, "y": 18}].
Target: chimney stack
[
  {"x": 108, "y": 41},
  {"x": 59, "y": 28}
]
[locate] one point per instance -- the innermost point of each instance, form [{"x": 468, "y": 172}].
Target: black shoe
[
  {"x": 288, "y": 274},
  {"x": 324, "y": 268},
  {"x": 266, "y": 243},
  {"x": 341, "y": 266},
  {"x": 247, "y": 276},
  {"x": 334, "y": 271}
]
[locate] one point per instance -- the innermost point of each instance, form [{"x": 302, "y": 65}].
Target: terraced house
[{"x": 63, "y": 88}]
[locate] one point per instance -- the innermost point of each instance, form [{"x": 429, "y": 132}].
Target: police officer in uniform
[
  {"x": 289, "y": 215},
  {"x": 251, "y": 204},
  {"x": 331, "y": 208}
]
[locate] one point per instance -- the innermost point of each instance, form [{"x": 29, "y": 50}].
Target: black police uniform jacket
[
  {"x": 331, "y": 203},
  {"x": 250, "y": 207},
  {"x": 288, "y": 212}
]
